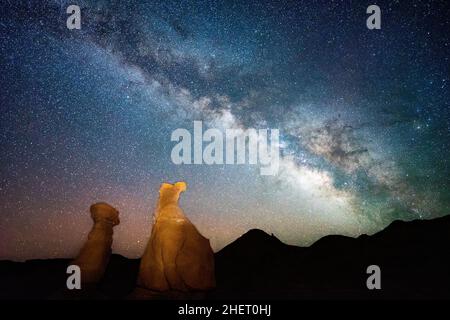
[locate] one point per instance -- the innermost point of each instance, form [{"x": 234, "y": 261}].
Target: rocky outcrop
[
  {"x": 177, "y": 257},
  {"x": 413, "y": 256},
  {"x": 95, "y": 253}
]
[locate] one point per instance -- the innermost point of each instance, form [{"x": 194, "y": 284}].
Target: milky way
[{"x": 87, "y": 115}]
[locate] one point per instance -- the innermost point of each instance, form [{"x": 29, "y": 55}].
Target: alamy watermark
[
  {"x": 234, "y": 146},
  {"x": 74, "y": 20}
]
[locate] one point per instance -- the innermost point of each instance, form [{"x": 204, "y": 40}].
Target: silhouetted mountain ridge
[{"x": 414, "y": 258}]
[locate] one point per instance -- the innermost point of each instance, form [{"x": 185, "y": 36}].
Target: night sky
[{"x": 87, "y": 115}]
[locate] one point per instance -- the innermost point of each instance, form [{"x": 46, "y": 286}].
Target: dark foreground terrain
[{"x": 414, "y": 258}]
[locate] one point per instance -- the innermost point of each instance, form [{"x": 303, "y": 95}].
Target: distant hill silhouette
[{"x": 414, "y": 258}]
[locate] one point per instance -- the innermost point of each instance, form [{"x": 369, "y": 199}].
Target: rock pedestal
[
  {"x": 94, "y": 255},
  {"x": 177, "y": 257}
]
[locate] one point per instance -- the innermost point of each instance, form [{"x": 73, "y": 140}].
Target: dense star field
[{"x": 87, "y": 116}]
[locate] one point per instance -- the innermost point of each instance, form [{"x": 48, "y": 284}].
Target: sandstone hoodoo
[
  {"x": 177, "y": 257},
  {"x": 94, "y": 255}
]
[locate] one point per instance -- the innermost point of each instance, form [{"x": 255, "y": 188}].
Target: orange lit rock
[
  {"x": 94, "y": 255},
  {"x": 177, "y": 256}
]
